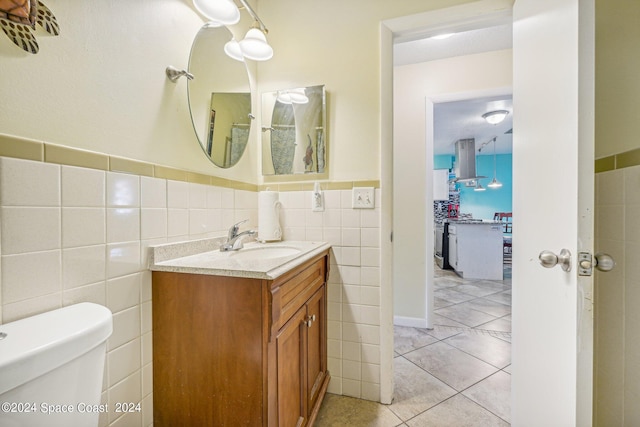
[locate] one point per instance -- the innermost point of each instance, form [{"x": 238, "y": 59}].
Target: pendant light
[
  {"x": 222, "y": 12},
  {"x": 494, "y": 183}
]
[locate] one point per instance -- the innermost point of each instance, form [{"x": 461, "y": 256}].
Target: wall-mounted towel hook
[{"x": 174, "y": 74}]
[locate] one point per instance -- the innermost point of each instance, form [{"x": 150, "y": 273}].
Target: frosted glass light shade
[
  {"x": 232, "y": 49},
  {"x": 222, "y": 11},
  {"x": 298, "y": 96},
  {"x": 495, "y": 117},
  {"x": 254, "y": 46}
]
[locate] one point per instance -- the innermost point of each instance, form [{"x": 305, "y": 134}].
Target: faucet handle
[{"x": 233, "y": 231}]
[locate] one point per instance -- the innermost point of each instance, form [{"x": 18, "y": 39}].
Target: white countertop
[{"x": 204, "y": 257}]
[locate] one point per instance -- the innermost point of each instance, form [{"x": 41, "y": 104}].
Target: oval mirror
[
  {"x": 294, "y": 142},
  {"x": 219, "y": 97}
]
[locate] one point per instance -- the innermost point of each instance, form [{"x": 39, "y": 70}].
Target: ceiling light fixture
[
  {"x": 494, "y": 183},
  {"x": 479, "y": 187},
  {"x": 495, "y": 117}
]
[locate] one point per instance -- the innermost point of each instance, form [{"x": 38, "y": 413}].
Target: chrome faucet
[{"x": 234, "y": 242}]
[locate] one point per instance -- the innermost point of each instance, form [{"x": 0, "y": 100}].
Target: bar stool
[{"x": 507, "y": 229}]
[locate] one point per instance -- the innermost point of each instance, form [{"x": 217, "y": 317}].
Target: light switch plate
[{"x": 363, "y": 198}]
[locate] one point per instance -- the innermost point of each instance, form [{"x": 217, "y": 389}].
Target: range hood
[{"x": 466, "y": 161}]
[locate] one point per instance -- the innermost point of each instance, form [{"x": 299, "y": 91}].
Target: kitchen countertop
[{"x": 204, "y": 257}]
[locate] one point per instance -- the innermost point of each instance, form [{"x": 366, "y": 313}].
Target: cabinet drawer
[{"x": 299, "y": 288}]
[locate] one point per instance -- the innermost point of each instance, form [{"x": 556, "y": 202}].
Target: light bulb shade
[
  {"x": 232, "y": 49},
  {"x": 494, "y": 184},
  {"x": 284, "y": 97},
  {"x": 223, "y": 11},
  {"x": 495, "y": 117},
  {"x": 298, "y": 96},
  {"x": 254, "y": 46},
  {"x": 479, "y": 187}
]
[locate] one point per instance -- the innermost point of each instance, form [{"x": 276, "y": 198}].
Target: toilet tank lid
[{"x": 36, "y": 345}]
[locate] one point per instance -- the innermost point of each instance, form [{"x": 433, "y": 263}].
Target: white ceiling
[{"x": 463, "y": 119}]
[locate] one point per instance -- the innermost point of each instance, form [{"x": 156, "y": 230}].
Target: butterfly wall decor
[{"x": 18, "y": 19}]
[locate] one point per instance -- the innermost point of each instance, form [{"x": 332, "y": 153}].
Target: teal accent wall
[
  {"x": 483, "y": 204},
  {"x": 443, "y": 161}
]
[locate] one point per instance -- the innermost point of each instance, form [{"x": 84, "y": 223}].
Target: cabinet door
[
  {"x": 291, "y": 343},
  {"x": 316, "y": 345},
  {"x": 453, "y": 251}
]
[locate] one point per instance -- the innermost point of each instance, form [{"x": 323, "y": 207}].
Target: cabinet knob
[{"x": 309, "y": 320}]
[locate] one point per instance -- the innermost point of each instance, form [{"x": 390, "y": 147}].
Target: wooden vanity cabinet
[{"x": 234, "y": 351}]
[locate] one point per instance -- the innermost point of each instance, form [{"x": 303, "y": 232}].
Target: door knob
[
  {"x": 548, "y": 259},
  {"x": 601, "y": 261},
  {"x": 604, "y": 262}
]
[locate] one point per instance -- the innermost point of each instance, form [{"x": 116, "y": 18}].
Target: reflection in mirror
[
  {"x": 219, "y": 97},
  {"x": 295, "y": 140}
]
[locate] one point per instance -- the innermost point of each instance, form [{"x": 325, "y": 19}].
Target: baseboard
[{"x": 414, "y": 322}]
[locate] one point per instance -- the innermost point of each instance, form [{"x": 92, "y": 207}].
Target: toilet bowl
[{"x": 51, "y": 367}]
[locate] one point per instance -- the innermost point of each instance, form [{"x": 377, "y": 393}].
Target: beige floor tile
[
  {"x": 494, "y": 394},
  {"x": 406, "y": 339},
  {"x": 494, "y": 351},
  {"x": 343, "y": 411},
  {"x": 456, "y": 412},
  {"x": 488, "y": 306},
  {"x": 464, "y": 315},
  {"x": 450, "y": 365},
  {"x": 416, "y": 390}
]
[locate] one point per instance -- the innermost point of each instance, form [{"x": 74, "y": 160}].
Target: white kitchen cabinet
[
  {"x": 441, "y": 184},
  {"x": 475, "y": 250}
]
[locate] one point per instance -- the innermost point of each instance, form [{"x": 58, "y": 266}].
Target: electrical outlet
[{"x": 363, "y": 198}]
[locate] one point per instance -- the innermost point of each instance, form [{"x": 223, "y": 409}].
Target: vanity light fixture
[
  {"x": 254, "y": 45},
  {"x": 225, "y": 12},
  {"x": 494, "y": 182},
  {"x": 495, "y": 117},
  {"x": 221, "y": 12},
  {"x": 232, "y": 49},
  {"x": 292, "y": 96}
]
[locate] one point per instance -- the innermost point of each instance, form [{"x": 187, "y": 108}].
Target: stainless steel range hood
[{"x": 466, "y": 161}]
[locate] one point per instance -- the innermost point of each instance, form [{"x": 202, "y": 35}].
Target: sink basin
[{"x": 265, "y": 252}]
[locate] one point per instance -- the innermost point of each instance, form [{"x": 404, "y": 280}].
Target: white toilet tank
[{"x": 51, "y": 367}]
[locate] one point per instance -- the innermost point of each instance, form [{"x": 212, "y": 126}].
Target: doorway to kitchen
[{"x": 416, "y": 297}]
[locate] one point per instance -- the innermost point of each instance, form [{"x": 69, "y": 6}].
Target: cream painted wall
[
  {"x": 447, "y": 79},
  {"x": 101, "y": 84},
  {"x": 337, "y": 43},
  {"x": 617, "y": 331},
  {"x": 617, "y": 83}
]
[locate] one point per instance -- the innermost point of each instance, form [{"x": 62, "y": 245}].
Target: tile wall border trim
[
  {"x": 26, "y": 149},
  {"x": 618, "y": 161}
]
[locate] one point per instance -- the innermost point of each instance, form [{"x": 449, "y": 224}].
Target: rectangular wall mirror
[{"x": 294, "y": 131}]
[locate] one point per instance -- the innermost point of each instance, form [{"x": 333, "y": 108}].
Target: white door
[{"x": 552, "y": 209}]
